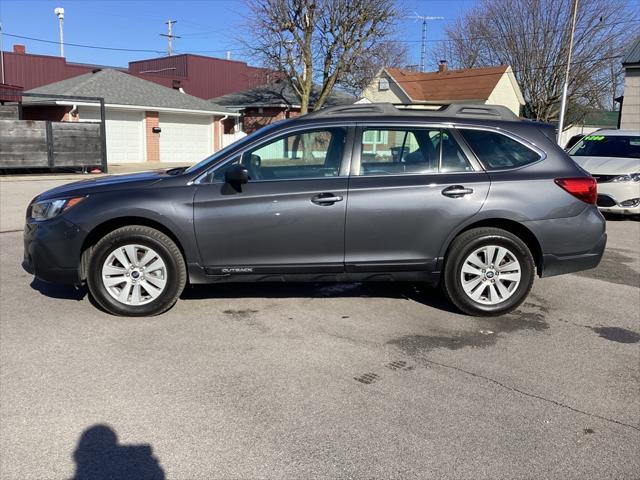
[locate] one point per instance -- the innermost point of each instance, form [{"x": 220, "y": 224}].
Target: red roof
[
  {"x": 200, "y": 76},
  {"x": 466, "y": 84}
]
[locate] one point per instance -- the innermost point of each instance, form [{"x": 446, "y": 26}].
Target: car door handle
[
  {"x": 326, "y": 199},
  {"x": 457, "y": 191}
]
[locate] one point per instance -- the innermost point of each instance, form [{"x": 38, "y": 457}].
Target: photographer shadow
[{"x": 100, "y": 457}]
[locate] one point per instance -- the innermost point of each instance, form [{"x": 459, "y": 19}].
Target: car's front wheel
[
  {"x": 488, "y": 271},
  {"x": 136, "y": 271}
]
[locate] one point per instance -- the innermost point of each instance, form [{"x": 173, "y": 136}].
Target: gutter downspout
[
  {"x": 73, "y": 110},
  {"x": 220, "y": 134},
  {"x": 1, "y": 56}
]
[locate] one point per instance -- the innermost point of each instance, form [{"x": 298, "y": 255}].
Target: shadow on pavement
[
  {"x": 428, "y": 296},
  {"x": 431, "y": 297},
  {"x": 53, "y": 290},
  {"x": 100, "y": 457}
]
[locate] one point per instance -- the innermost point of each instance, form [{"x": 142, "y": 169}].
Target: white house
[
  {"x": 630, "y": 111},
  {"x": 145, "y": 122},
  {"x": 489, "y": 85}
]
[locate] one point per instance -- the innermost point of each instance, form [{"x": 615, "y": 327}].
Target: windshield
[
  {"x": 221, "y": 153},
  {"x": 607, "y": 146}
]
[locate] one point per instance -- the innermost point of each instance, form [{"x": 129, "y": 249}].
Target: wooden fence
[{"x": 44, "y": 144}]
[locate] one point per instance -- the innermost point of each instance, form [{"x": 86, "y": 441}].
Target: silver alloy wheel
[
  {"x": 134, "y": 274},
  {"x": 490, "y": 275}
]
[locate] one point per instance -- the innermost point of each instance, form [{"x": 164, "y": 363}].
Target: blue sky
[{"x": 209, "y": 27}]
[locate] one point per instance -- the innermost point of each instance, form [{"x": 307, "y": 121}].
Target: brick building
[{"x": 269, "y": 103}]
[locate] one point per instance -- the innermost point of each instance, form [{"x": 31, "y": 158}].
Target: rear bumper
[
  {"x": 52, "y": 250},
  {"x": 570, "y": 244},
  {"x": 558, "y": 265}
]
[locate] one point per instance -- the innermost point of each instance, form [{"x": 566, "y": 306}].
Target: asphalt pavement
[{"x": 320, "y": 380}]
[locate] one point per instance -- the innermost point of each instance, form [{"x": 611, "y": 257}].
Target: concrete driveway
[{"x": 321, "y": 381}]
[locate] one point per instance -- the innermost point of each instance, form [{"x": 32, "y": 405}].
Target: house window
[
  {"x": 372, "y": 138},
  {"x": 383, "y": 84}
]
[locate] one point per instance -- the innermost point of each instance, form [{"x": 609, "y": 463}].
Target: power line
[
  {"x": 85, "y": 46},
  {"x": 543, "y": 67},
  {"x": 509, "y": 35},
  {"x": 143, "y": 50},
  {"x": 97, "y": 47}
]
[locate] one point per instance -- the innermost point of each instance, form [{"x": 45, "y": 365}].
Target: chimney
[
  {"x": 18, "y": 48},
  {"x": 442, "y": 66}
]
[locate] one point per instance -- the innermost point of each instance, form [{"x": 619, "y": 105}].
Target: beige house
[
  {"x": 489, "y": 85},
  {"x": 630, "y": 112}
]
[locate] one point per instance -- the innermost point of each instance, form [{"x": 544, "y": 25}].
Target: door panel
[
  {"x": 402, "y": 221},
  {"x": 412, "y": 186},
  {"x": 281, "y": 220},
  {"x": 272, "y": 226}
]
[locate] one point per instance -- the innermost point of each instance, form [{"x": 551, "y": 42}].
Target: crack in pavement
[{"x": 531, "y": 395}]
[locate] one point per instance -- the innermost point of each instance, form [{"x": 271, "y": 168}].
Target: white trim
[
  {"x": 388, "y": 74},
  {"x": 514, "y": 84},
  {"x": 150, "y": 108}
]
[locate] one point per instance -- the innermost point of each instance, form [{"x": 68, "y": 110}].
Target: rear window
[
  {"x": 607, "y": 146},
  {"x": 497, "y": 151}
]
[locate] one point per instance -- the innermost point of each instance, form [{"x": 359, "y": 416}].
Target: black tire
[
  {"x": 463, "y": 246},
  {"x": 167, "y": 250}
]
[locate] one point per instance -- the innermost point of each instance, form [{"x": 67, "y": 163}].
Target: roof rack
[{"x": 462, "y": 110}]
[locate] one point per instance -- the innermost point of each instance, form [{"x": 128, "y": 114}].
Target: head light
[
  {"x": 52, "y": 208},
  {"x": 629, "y": 177}
]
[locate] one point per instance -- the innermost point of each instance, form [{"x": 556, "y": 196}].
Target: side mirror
[{"x": 236, "y": 175}]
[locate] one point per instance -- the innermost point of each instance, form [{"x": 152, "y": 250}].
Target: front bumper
[
  {"x": 613, "y": 196},
  {"x": 620, "y": 210},
  {"x": 52, "y": 250}
]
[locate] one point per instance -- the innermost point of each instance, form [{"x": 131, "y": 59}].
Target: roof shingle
[
  {"x": 467, "y": 84},
  {"x": 123, "y": 89},
  {"x": 276, "y": 94},
  {"x": 633, "y": 54}
]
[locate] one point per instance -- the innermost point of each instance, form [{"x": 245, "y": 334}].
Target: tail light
[{"x": 584, "y": 188}]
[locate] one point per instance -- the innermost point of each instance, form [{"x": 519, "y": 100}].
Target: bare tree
[
  {"x": 532, "y": 36},
  {"x": 316, "y": 41},
  {"x": 364, "y": 68}
]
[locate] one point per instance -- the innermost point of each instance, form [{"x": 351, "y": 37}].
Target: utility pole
[
  {"x": 170, "y": 36},
  {"x": 563, "y": 103},
  {"x": 1, "y": 56},
  {"x": 60, "y": 14},
  {"x": 423, "y": 48}
]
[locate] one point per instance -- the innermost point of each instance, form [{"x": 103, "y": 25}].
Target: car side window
[
  {"x": 308, "y": 154},
  {"x": 410, "y": 151},
  {"x": 497, "y": 151},
  {"x": 453, "y": 158}
]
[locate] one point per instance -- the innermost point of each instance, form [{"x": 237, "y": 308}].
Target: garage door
[
  {"x": 185, "y": 138},
  {"x": 125, "y": 134}
]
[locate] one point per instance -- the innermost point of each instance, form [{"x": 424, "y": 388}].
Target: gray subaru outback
[{"x": 469, "y": 197}]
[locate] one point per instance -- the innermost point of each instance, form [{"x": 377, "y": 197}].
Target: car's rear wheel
[
  {"x": 136, "y": 271},
  {"x": 488, "y": 271}
]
